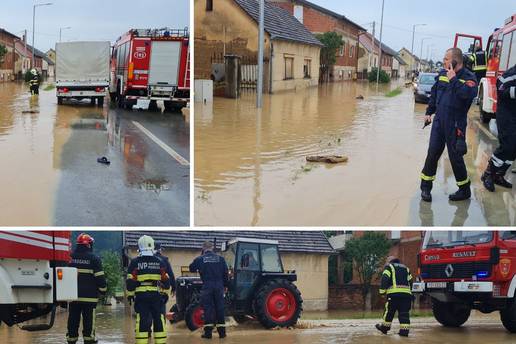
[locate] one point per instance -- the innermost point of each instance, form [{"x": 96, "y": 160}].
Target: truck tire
[
  {"x": 508, "y": 317},
  {"x": 153, "y": 106},
  {"x": 484, "y": 116},
  {"x": 278, "y": 303},
  {"x": 194, "y": 316},
  {"x": 59, "y": 101},
  {"x": 100, "y": 101},
  {"x": 92, "y": 101},
  {"x": 450, "y": 314}
]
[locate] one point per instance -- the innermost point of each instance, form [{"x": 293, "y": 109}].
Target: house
[
  {"x": 411, "y": 60},
  {"x": 230, "y": 27},
  {"x": 306, "y": 252},
  {"x": 320, "y": 20},
  {"x": 51, "y": 54},
  {"x": 7, "y": 64},
  {"x": 398, "y": 67},
  {"x": 369, "y": 55},
  {"x": 23, "y": 59}
]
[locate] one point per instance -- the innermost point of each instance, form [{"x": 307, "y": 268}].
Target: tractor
[{"x": 259, "y": 288}]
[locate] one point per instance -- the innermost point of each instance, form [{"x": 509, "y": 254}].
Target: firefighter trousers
[
  {"x": 506, "y": 124},
  {"x": 401, "y": 303},
  {"x": 442, "y": 135},
  {"x": 149, "y": 315},
  {"x": 34, "y": 89},
  {"x": 87, "y": 310},
  {"x": 212, "y": 301}
]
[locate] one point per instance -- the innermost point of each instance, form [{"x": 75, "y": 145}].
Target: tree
[
  {"x": 383, "y": 79},
  {"x": 112, "y": 265},
  {"x": 368, "y": 253},
  {"x": 331, "y": 41},
  {"x": 3, "y": 52}
]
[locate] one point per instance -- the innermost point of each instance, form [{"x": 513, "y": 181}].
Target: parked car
[{"x": 423, "y": 86}]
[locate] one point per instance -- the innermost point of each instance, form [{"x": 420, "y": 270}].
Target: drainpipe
[{"x": 270, "y": 66}]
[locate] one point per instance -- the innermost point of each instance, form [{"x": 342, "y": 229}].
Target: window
[
  {"x": 307, "y": 69},
  {"x": 512, "y": 53},
  {"x": 289, "y": 67},
  {"x": 341, "y": 50},
  {"x": 351, "y": 50},
  {"x": 247, "y": 259},
  {"x": 209, "y": 5},
  {"x": 298, "y": 13},
  {"x": 506, "y": 47},
  {"x": 270, "y": 258}
]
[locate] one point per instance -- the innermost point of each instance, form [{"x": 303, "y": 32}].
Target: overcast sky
[
  {"x": 443, "y": 19},
  {"x": 90, "y": 19}
]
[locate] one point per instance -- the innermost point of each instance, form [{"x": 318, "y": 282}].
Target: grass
[
  {"x": 49, "y": 87},
  {"x": 394, "y": 92}
]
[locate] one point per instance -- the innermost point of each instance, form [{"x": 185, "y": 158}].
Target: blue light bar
[{"x": 482, "y": 274}]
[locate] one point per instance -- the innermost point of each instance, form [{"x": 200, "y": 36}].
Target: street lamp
[
  {"x": 34, "y": 24},
  {"x": 412, "y": 48},
  {"x": 61, "y": 29},
  {"x": 422, "y": 40},
  {"x": 380, "y": 52}
]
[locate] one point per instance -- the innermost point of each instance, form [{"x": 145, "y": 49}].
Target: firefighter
[
  {"x": 214, "y": 275},
  {"x": 146, "y": 276},
  {"x": 504, "y": 155},
  {"x": 164, "y": 293},
  {"x": 91, "y": 283},
  {"x": 395, "y": 285},
  {"x": 34, "y": 82},
  {"x": 450, "y": 99}
]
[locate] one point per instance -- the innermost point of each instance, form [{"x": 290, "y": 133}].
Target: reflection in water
[{"x": 251, "y": 170}]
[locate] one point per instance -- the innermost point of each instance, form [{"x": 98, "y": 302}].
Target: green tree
[
  {"x": 3, "y": 52},
  {"x": 383, "y": 79},
  {"x": 331, "y": 41},
  {"x": 368, "y": 253},
  {"x": 112, "y": 264}
]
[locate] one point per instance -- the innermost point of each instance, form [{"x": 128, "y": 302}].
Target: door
[{"x": 164, "y": 63}]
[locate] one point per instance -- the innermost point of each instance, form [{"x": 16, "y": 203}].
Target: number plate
[{"x": 436, "y": 285}]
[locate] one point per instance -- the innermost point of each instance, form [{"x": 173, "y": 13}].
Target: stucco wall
[
  {"x": 312, "y": 271},
  {"x": 300, "y": 52}
]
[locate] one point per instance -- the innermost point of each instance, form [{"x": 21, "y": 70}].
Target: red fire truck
[
  {"x": 151, "y": 64},
  {"x": 501, "y": 55},
  {"x": 465, "y": 270},
  {"x": 34, "y": 278}
]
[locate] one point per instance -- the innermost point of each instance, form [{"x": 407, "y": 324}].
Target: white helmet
[
  {"x": 146, "y": 245},
  {"x": 33, "y": 71}
]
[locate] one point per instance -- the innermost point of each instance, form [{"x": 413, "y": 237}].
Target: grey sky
[
  {"x": 90, "y": 19},
  {"x": 443, "y": 19}
]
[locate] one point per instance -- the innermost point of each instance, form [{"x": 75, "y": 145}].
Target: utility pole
[
  {"x": 60, "y": 31},
  {"x": 380, "y": 48},
  {"x": 33, "y": 27},
  {"x": 374, "y": 27},
  {"x": 259, "y": 89},
  {"x": 421, "y": 55},
  {"x": 412, "y": 48}
]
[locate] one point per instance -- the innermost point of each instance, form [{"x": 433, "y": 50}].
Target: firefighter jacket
[
  {"x": 91, "y": 280},
  {"x": 147, "y": 274},
  {"x": 506, "y": 86},
  {"x": 212, "y": 268},
  {"x": 396, "y": 278},
  {"x": 169, "y": 270},
  {"x": 450, "y": 100},
  {"x": 34, "y": 81}
]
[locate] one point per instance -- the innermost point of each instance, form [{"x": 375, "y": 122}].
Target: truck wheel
[
  {"x": 194, "y": 316},
  {"x": 278, "y": 303},
  {"x": 59, "y": 101},
  {"x": 508, "y": 317},
  {"x": 484, "y": 116},
  {"x": 450, "y": 314},
  {"x": 92, "y": 101},
  {"x": 100, "y": 101}
]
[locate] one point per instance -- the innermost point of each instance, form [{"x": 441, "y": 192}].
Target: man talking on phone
[{"x": 450, "y": 99}]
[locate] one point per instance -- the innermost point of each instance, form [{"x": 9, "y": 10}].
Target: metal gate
[{"x": 248, "y": 73}]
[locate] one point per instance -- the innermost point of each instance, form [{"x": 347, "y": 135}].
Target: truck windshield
[{"x": 456, "y": 238}]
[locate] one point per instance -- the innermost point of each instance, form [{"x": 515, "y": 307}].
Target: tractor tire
[
  {"x": 508, "y": 317},
  {"x": 241, "y": 319},
  {"x": 278, "y": 303},
  {"x": 450, "y": 314},
  {"x": 194, "y": 316},
  {"x": 484, "y": 116}
]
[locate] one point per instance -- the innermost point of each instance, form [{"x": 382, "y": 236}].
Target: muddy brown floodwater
[
  {"x": 115, "y": 325},
  {"x": 250, "y": 166}
]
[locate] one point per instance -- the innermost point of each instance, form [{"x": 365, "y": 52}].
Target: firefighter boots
[
  {"x": 222, "y": 331},
  {"x": 207, "y": 332},
  {"x": 382, "y": 328},
  {"x": 426, "y": 187},
  {"x": 462, "y": 194}
]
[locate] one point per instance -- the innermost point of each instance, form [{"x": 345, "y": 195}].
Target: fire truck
[
  {"x": 500, "y": 54},
  {"x": 151, "y": 64},
  {"x": 34, "y": 277},
  {"x": 466, "y": 270}
]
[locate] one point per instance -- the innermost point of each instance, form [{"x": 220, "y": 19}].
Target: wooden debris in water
[{"x": 329, "y": 159}]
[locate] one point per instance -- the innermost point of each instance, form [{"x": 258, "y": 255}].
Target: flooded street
[
  {"x": 116, "y": 326},
  {"x": 50, "y": 172},
  {"x": 251, "y": 169}
]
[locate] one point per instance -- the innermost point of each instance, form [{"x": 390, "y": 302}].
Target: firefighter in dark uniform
[
  {"x": 146, "y": 276},
  {"x": 214, "y": 275},
  {"x": 91, "y": 284},
  {"x": 396, "y": 286},
  {"x": 504, "y": 155},
  {"x": 34, "y": 82},
  {"x": 172, "y": 279},
  {"x": 451, "y": 97}
]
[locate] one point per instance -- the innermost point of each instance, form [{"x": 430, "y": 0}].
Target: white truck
[{"x": 82, "y": 71}]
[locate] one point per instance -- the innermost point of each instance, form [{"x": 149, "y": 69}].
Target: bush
[
  {"x": 27, "y": 76},
  {"x": 383, "y": 79}
]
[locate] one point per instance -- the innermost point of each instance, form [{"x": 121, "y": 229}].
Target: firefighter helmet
[
  {"x": 85, "y": 239},
  {"x": 146, "y": 245},
  {"x": 33, "y": 71}
]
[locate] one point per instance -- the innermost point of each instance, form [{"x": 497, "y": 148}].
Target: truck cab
[{"x": 465, "y": 270}]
